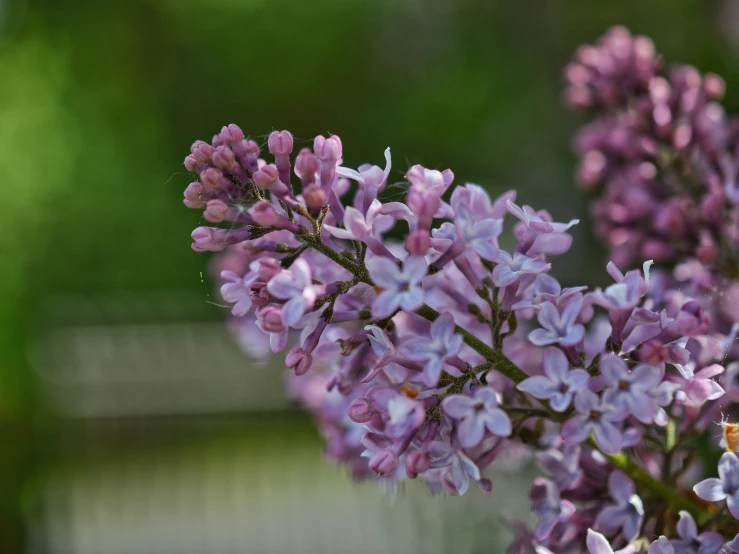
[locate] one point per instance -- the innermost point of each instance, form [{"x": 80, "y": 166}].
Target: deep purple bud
[
  {"x": 266, "y": 177},
  {"x": 280, "y": 143},
  {"x": 194, "y": 196},
  {"x": 327, "y": 149},
  {"x": 306, "y": 166},
  {"x": 360, "y": 410},
  {"x": 298, "y": 360},
  {"x": 215, "y": 211},
  {"x": 417, "y": 462},
  {"x": 383, "y": 463}
]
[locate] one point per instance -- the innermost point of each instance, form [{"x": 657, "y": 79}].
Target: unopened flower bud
[
  {"x": 280, "y": 143},
  {"x": 194, "y": 196},
  {"x": 383, "y": 463},
  {"x": 266, "y": 177},
  {"x": 264, "y": 214},
  {"x": 714, "y": 86},
  {"x": 270, "y": 318},
  {"x": 327, "y": 149},
  {"x": 223, "y": 157},
  {"x": 215, "y": 211},
  {"x": 360, "y": 410},
  {"x": 266, "y": 268},
  {"x": 314, "y": 197},
  {"x": 298, "y": 361},
  {"x": 417, "y": 462}
]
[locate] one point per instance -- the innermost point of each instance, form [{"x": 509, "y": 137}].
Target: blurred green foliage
[{"x": 99, "y": 102}]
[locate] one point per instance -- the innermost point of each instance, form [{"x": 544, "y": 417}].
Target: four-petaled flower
[
  {"x": 401, "y": 288},
  {"x": 237, "y": 291},
  {"x": 594, "y": 417},
  {"x": 460, "y": 467},
  {"x": 559, "y": 325},
  {"x": 630, "y": 391},
  {"x": 691, "y": 542},
  {"x": 627, "y": 513},
  {"x": 511, "y": 268},
  {"x": 478, "y": 413},
  {"x": 444, "y": 343},
  {"x": 726, "y": 486},
  {"x": 296, "y": 286},
  {"x": 548, "y": 506},
  {"x": 558, "y": 384}
]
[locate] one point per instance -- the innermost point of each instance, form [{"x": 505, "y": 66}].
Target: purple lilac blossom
[
  {"x": 558, "y": 384},
  {"x": 419, "y": 355}
]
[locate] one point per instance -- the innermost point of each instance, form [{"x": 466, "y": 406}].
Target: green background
[{"x": 100, "y": 100}]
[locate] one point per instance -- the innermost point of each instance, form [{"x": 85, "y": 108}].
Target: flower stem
[{"x": 673, "y": 498}]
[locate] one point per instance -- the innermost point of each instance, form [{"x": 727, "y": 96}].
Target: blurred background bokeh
[{"x": 129, "y": 422}]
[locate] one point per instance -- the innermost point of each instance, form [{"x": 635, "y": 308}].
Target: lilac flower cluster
[{"x": 428, "y": 358}]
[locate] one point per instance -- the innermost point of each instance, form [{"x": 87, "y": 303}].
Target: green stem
[
  {"x": 500, "y": 362},
  {"x": 672, "y": 497}
]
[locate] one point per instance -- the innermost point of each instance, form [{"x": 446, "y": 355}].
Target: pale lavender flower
[
  {"x": 621, "y": 298},
  {"x": 630, "y": 391},
  {"x": 370, "y": 177},
  {"x": 559, "y": 327},
  {"x": 691, "y": 542},
  {"x": 459, "y": 467},
  {"x": 296, "y": 286},
  {"x": 533, "y": 220},
  {"x": 443, "y": 343},
  {"x": 477, "y": 414},
  {"x": 237, "y": 291},
  {"x": 594, "y": 416},
  {"x": 549, "y": 507},
  {"x": 627, "y": 514},
  {"x": 701, "y": 387},
  {"x": 511, "y": 268},
  {"x": 562, "y": 465},
  {"x": 661, "y": 546},
  {"x": 401, "y": 287},
  {"x": 726, "y": 486},
  {"x": 558, "y": 384},
  {"x": 404, "y": 415}
]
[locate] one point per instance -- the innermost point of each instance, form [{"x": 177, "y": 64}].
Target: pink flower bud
[
  {"x": 314, "y": 197},
  {"x": 417, "y": 462},
  {"x": 230, "y": 134},
  {"x": 280, "y": 143},
  {"x": 267, "y": 268},
  {"x": 215, "y": 211},
  {"x": 383, "y": 463},
  {"x": 270, "y": 318},
  {"x": 194, "y": 196},
  {"x": 266, "y": 177},
  {"x": 213, "y": 178},
  {"x": 298, "y": 360},
  {"x": 327, "y": 149},
  {"x": 306, "y": 164},
  {"x": 223, "y": 157},
  {"x": 714, "y": 86},
  {"x": 360, "y": 410},
  {"x": 264, "y": 214}
]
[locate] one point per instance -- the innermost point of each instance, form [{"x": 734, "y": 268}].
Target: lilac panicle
[{"x": 429, "y": 339}]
